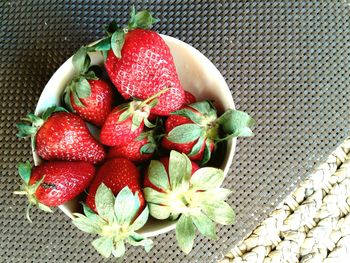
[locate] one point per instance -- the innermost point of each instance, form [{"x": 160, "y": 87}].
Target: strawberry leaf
[
  {"x": 141, "y": 220},
  {"x": 104, "y": 200},
  {"x": 207, "y": 178},
  {"x": 142, "y": 19},
  {"x": 25, "y": 130},
  {"x": 185, "y": 233},
  {"x": 126, "y": 114},
  {"x": 205, "y": 226},
  {"x": 67, "y": 100},
  {"x": 44, "y": 208},
  {"x": 159, "y": 211},
  {"x": 179, "y": 169},
  {"x": 83, "y": 88},
  {"x": 49, "y": 111},
  {"x": 85, "y": 224},
  {"x": 138, "y": 240},
  {"x": 236, "y": 123},
  {"x": 148, "y": 148},
  {"x": 137, "y": 120},
  {"x": 25, "y": 170},
  {"x": 117, "y": 42},
  {"x": 102, "y": 45},
  {"x": 90, "y": 75},
  {"x": 81, "y": 60},
  {"x": 219, "y": 211},
  {"x": 205, "y": 107},
  {"x": 119, "y": 249},
  {"x": 155, "y": 197},
  {"x": 184, "y": 133},
  {"x": 124, "y": 206},
  {"x": 207, "y": 152},
  {"x": 104, "y": 246},
  {"x": 217, "y": 194},
  {"x": 92, "y": 216},
  {"x": 77, "y": 100},
  {"x": 148, "y": 123},
  {"x": 198, "y": 146},
  {"x": 158, "y": 175},
  {"x": 189, "y": 114}
]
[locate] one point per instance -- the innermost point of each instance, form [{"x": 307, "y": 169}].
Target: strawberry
[
  {"x": 116, "y": 221},
  {"x": 126, "y": 122},
  {"x": 195, "y": 129},
  {"x": 139, "y": 63},
  {"x": 60, "y": 135},
  {"x": 189, "y": 98},
  {"x": 54, "y": 183},
  {"x": 138, "y": 150},
  {"x": 116, "y": 174},
  {"x": 88, "y": 96},
  {"x": 195, "y": 199}
]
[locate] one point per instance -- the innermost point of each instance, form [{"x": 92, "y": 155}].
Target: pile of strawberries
[{"x": 153, "y": 137}]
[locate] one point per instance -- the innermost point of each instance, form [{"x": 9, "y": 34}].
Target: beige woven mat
[{"x": 311, "y": 225}]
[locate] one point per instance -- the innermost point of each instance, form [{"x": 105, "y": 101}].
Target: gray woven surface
[{"x": 287, "y": 64}]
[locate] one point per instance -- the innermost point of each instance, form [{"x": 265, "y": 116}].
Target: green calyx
[
  {"x": 79, "y": 87},
  {"x": 140, "y": 110},
  {"x": 208, "y": 128},
  {"x": 116, "y": 35},
  {"x": 32, "y": 123},
  {"x": 24, "y": 170},
  {"x": 151, "y": 144},
  {"x": 197, "y": 201},
  {"x": 115, "y": 222}
]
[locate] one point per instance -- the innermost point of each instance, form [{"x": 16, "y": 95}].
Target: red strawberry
[
  {"x": 116, "y": 174},
  {"x": 144, "y": 67},
  {"x": 62, "y": 136},
  {"x": 125, "y": 123},
  {"x": 54, "y": 183},
  {"x": 165, "y": 162},
  {"x": 189, "y": 98},
  {"x": 97, "y": 106},
  {"x": 138, "y": 150},
  {"x": 91, "y": 98},
  {"x": 195, "y": 129}
]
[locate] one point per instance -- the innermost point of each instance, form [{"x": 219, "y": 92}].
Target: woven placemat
[
  {"x": 311, "y": 225},
  {"x": 286, "y": 62}
]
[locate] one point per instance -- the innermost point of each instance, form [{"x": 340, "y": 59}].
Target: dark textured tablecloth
[{"x": 286, "y": 62}]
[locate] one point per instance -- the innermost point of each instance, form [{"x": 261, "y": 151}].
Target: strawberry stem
[{"x": 154, "y": 96}]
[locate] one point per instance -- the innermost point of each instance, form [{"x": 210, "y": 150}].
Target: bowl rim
[{"x": 68, "y": 64}]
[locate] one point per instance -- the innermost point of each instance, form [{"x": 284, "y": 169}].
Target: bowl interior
[{"x": 197, "y": 75}]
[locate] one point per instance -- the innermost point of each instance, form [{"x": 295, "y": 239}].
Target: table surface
[{"x": 286, "y": 62}]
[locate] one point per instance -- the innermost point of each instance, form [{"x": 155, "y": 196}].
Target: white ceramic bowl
[{"x": 197, "y": 75}]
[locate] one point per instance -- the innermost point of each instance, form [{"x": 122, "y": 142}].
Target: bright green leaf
[
  {"x": 126, "y": 114},
  {"x": 189, "y": 114},
  {"x": 204, "y": 107},
  {"x": 85, "y": 224},
  {"x": 236, "y": 123},
  {"x": 117, "y": 42},
  {"x": 136, "y": 239},
  {"x": 83, "y": 88},
  {"x": 184, "y": 133},
  {"x": 119, "y": 249},
  {"x": 185, "y": 233},
  {"x": 198, "y": 146},
  {"x": 158, "y": 175},
  {"x": 102, "y": 45},
  {"x": 205, "y": 226},
  {"x": 104, "y": 246},
  {"x": 141, "y": 220},
  {"x": 25, "y": 170},
  {"x": 81, "y": 60},
  {"x": 207, "y": 152},
  {"x": 207, "y": 178},
  {"x": 124, "y": 206},
  {"x": 92, "y": 216},
  {"x": 44, "y": 208},
  {"x": 142, "y": 19},
  {"x": 179, "y": 169},
  {"x": 219, "y": 211},
  {"x": 148, "y": 148},
  {"x": 155, "y": 197},
  {"x": 104, "y": 200},
  {"x": 136, "y": 121},
  {"x": 159, "y": 211},
  {"x": 77, "y": 100}
]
